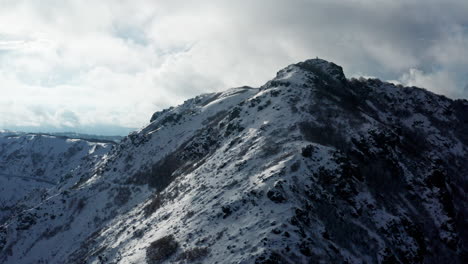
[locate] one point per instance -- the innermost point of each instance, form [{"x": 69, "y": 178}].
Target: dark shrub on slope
[
  {"x": 194, "y": 254},
  {"x": 161, "y": 249}
]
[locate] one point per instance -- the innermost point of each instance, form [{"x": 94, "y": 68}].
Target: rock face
[{"x": 309, "y": 168}]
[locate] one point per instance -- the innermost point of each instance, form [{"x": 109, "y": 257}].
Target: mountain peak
[
  {"x": 299, "y": 73},
  {"x": 304, "y": 169},
  {"x": 323, "y": 68}
]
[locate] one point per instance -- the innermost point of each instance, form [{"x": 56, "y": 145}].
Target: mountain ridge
[
  {"x": 31, "y": 163},
  {"x": 309, "y": 168}
]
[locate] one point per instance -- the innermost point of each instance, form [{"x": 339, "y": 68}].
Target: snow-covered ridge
[
  {"x": 31, "y": 163},
  {"x": 311, "y": 167}
]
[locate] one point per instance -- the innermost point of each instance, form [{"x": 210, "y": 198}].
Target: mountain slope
[
  {"x": 309, "y": 168},
  {"x": 32, "y": 163}
]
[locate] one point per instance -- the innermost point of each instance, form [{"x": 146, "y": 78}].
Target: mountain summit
[
  {"x": 309, "y": 168},
  {"x": 321, "y": 67}
]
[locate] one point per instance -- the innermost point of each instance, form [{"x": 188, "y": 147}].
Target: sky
[{"x": 103, "y": 67}]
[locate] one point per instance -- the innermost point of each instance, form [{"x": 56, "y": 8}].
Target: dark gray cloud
[
  {"x": 111, "y": 62},
  {"x": 382, "y": 38}
]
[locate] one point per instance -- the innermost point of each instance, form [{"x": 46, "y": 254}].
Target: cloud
[
  {"x": 439, "y": 82},
  {"x": 101, "y": 63}
]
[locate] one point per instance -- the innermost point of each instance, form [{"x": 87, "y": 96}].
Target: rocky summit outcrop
[{"x": 309, "y": 168}]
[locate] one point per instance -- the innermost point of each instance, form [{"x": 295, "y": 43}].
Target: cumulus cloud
[
  {"x": 439, "y": 82},
  {"x": 95, "y": 63}
]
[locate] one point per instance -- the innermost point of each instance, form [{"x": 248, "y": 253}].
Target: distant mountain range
[
  {"x": 71, "y": 135},
  {"x": 311, "y": 167}
]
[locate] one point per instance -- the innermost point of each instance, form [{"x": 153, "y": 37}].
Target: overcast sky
[{"x": 105, "y": 66}]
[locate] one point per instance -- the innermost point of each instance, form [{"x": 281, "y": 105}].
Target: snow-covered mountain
[
  {"x": 30, "y": 164},
  {"x": 309, "y": 168}
]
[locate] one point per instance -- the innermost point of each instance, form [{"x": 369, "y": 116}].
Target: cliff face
[{"x": 311, "y": 167}]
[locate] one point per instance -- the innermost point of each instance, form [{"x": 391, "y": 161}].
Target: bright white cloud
[
  {"x": 82, "y": 63},
  {"x": 439, "y": 82}
]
